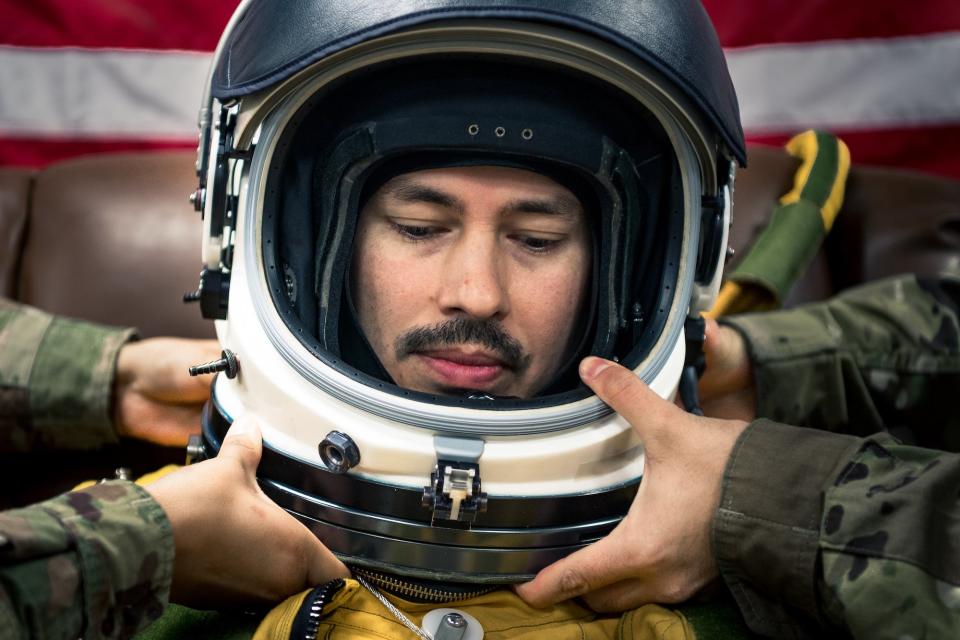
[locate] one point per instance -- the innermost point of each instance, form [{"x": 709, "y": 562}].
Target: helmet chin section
[{"x": 394, "y": 529}]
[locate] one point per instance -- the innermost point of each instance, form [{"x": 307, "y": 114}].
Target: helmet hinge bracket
[{"x": 455, "y": 494}]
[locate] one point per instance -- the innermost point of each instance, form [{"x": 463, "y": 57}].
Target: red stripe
[
  {"x": 192, "y": 25},
  {"x": 196, "y": 25},
  {"x": 928, "y": 149},
  {"x": 746, "y": 22},
  {"x": 37, "y": 153}
]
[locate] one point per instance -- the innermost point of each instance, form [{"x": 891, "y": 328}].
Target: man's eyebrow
[
  {"x": 559, "y": 205},
  {"x": 410, "y": 191}
]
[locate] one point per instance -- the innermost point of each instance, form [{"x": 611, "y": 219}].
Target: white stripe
[
  {"x": 853, "y": 84},
  {"x": 101, "y": 93}
]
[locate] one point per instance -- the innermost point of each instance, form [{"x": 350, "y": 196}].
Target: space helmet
[{"x": 310, "y": 107}]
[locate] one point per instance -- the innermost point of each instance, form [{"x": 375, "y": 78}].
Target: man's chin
[
  {"x": 463, "y": 391},
  {"x": 436, "y": 387},
  {"x": 477, "y": 394}
]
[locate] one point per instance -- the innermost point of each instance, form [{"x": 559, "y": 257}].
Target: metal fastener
[
  {"x": 339, "y": 452},
  {"x": 227, "y": 364},
  {"x": 452, "y": 626}
]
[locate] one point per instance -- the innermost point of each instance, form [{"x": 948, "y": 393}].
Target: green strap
[{"x": 784, "y": 249}]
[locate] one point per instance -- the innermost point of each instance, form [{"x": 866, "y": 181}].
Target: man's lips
[{"x": 460, "y": 369}]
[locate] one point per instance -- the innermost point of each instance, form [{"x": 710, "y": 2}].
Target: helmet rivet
[
  {"x": 500, "y": 132},
  {"x": 473, "y": 129},
  {"x": 526, "y": 134}
]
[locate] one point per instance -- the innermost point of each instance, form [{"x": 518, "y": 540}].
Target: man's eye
[
  {"x": 538, "y": 245},
  {"x": 415, "y": 232}
]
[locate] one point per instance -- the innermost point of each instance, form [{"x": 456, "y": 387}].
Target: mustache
[{"x": 463, "y": 330}]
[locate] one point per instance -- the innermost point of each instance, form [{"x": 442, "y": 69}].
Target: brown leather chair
[
  {"x": 113, "y": 239},
  {"x": 15, "y": 185}
]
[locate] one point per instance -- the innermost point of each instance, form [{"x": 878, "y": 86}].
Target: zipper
[
  {"x": 306, "y": 624},
  {"x": 410, "y": 590}
]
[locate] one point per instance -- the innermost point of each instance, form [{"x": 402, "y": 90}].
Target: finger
[
  {"x": 620, "y": 596},
  {"x": 626, "y": 394},
  {"x": 310, "y": 562},
  {"x": 322, "y": 565},
  {"x": 711, "y": 331},
  {"x": 168, "y": 425},
  {"x": 192, "y": 389},
  {"x": 172, "y": 429},
  {"x": 243, "y": 443},
  {"x": 158, "y": 368},
  {"x": 588, "y": 569},
  {"x": 292, "y": 558},
  {"x": 726, "y": 359},
  {"x": 632, "y": 593},
  {"x": 736, "y": 405}
]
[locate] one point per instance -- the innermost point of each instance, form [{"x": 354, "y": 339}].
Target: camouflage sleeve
[
  {"x": 56, "y": 380},
  {"x": 817, "y": 529},
  {"x": 876, "y": 357},
  {"x": 94, "y": 563}
]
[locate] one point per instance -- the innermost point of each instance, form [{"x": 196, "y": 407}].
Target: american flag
[{"x": 83, "y": 76}]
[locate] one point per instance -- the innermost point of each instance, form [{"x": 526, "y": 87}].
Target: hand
[
  {"x": 233, "y": 545},
  {"x": 661, "y": 551},
  {"x": 727, "y": 388},
  {"x": 155, "y": 399}
]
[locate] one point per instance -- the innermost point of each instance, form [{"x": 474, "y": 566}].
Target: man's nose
[{"x": 473, "y": 280}]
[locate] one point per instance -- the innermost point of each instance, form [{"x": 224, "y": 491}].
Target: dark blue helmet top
[{"x": 274, "y": 39}]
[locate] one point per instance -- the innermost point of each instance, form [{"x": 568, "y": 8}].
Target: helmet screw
[
  {"x": 196, "y": 450},
  {"x": 227, "y": 363},
  {"x": 730, "y": 253},
  {"x": 339, "y": 452},
  {"x": 197, "y": 199},
  {"x": 455, "y": 620}
]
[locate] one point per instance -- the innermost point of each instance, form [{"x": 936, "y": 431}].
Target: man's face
[{"x": 472, "y": 279}]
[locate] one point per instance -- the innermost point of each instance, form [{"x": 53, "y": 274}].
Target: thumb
[
  {"x": 322, "y": 565},
  {"x": 244, "y": 444},
  {"x": 626, "y": 394}
]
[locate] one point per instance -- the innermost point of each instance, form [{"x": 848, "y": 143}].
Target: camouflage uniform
[
  {"x": 95, "y": 563},
  {"x": 815, "y": 528},
  {"x": 820, "y": 528},
  {"x": 56, "y": 380}
]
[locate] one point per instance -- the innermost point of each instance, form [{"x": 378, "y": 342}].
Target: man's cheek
[
  {"x": 548, "y": 299},
  {"x": 551, "y": 311}
]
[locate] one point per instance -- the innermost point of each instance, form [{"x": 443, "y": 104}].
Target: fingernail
[{"x": 591, "y": 367}]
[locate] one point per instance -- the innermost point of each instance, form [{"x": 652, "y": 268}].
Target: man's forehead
[{"x": 516, "y": 190}]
